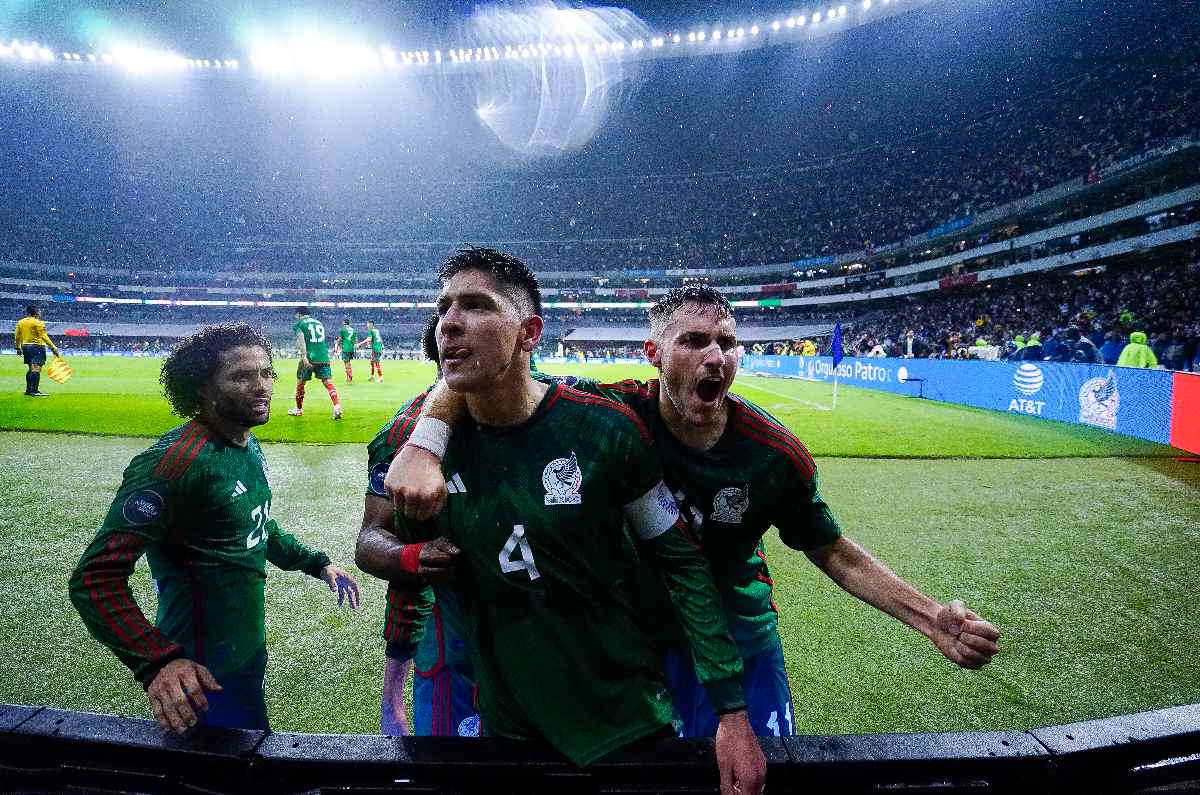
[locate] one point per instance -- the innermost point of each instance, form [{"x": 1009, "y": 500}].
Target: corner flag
[{"x": 836, "y": 345}]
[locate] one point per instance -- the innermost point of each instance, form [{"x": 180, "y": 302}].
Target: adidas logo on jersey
[
  {"x": 455, "y": 485},
  {"x": 239, "y": 489}
]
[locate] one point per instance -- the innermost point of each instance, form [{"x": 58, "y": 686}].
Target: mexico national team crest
[
  {"x": 563, "y": 478},
  {"x": 1098, "y": 401},
  {"x": 730, "y": 504}
]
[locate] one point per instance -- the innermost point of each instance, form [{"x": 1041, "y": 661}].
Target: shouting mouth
[{"x": 709, "y": 389}]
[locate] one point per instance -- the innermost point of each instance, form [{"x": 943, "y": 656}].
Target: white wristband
[{"x": 432, "y": 435}]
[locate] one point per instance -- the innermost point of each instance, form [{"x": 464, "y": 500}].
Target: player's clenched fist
[
  {"x": 415, "y": 483},
  {"x": 964, "y": 637},
  {"x": 173, "y": 692}
]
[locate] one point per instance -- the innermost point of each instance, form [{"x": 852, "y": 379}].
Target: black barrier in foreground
[{"x": 51, "y": 750}]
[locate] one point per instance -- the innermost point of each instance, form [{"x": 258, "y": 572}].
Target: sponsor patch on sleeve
[
  {"x": 375, "y": 478},
  {"x": 142, "y": 507}
]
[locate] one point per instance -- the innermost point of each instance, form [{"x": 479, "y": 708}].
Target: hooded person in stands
[{"x": 1137, "y": 353}]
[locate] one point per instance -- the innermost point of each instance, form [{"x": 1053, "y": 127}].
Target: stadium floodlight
[
  {"x": 716, "y": 35},
  {"x": 754, "y": 30},
  {"x": 866, "y": 5},
  {"x": 731, "y": 33},
  {"x": 741, "y": 32},
  {"x": 700, "y": 36},
  {"x": 841, "y": 11},
  {"x": 691, "y": 37},
  {"x": 816, "y": 17},
  {"x": 791, "y": 22},
  {"x": 775, "y": 25}
]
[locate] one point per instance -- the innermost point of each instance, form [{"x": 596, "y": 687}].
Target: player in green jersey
[
  {"x": 198, "y": 504},
  {"x": 545, "y": 480},
  {"x": 314, "y": 360},
  {"x": 346, "y": 342},
  {"x": 376, "y": 342},
  {"x": 737, "y": 471}
]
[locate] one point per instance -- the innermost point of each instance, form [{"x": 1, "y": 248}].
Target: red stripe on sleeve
[
  {"x": 773, "y": 443},
  {"x": 168, "y": 460},
  {"x": 780, "y": 441},
  {"x": 112, "y": 600},
  {"x": 781, "y": 433},
  {"x": 591, "y": 400},
  {"x": 187, "y": 457}
]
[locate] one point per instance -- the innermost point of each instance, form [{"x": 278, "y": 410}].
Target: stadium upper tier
[{"x": 206, "y": 213}]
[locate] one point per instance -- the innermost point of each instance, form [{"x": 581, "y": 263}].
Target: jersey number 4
[{"x": 525, "y": 564}]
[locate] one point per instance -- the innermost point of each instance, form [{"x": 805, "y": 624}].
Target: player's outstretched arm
[
  {"x": 380, "y": 553},
  {"x": 962, "y": 636}
]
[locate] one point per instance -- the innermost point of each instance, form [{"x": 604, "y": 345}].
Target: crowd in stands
[
  {"x": 1085, "y": 318},
  {"x": 849, "y": 202}
]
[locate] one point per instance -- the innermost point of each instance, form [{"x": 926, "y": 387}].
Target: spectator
[{"x": 1137, "y": 353}]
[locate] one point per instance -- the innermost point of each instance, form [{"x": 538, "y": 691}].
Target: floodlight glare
[
  {"x": 816, "y": 17},
  {"x": 716, "y": 35},
  {"x": 691, "y": 37},
  {"x": 791, "y": 22},
  {"x": 775, "y": 25},
  {"x": 866, "y": 5},
  {"x": 754, "y": 30}
]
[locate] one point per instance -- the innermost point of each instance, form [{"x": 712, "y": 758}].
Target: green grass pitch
[{"x": 1081, "y": 545}]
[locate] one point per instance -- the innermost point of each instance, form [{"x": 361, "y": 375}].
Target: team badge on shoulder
[
  {"x": 142, "y": 507},
  {"x": 730, "y": 504},
  {"x": 376, "y": 477},
  {"x": 563, "y": 478}
]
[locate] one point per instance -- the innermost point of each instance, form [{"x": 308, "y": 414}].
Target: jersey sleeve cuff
[
  {"x": 726, "y": 695},
  {"x": 315, "y": 564}
]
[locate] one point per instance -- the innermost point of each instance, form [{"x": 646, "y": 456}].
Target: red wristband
[{"x": 410, "y": 558}]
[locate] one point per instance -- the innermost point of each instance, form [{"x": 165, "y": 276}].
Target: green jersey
[
  {"x": 315, "y": 346},
  {"x": 376, "y": 340},
  {"x": 346, "y": 338},
  {"x": 200, "y": 508},
  {"x": 549, "y": 571},
  {"x": 756, "y": 476}
]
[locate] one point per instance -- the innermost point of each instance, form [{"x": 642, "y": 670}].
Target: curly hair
[
  {"x": 194, "y": 359},
  {"x": 677, "y": 297},
  {"x": 504, "y": 268}
]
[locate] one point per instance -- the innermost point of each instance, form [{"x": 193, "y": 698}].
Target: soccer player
[
  {"x": 31, "y": 341},
  {"x": 314, "y": 360},
  {"x": 736, "y": 471},
  {"x": 376, "y": 342},
  {"x": 545, "y": 479},
  {"x": 346, "y": 341},
  {"x": 198, "y": 504}
]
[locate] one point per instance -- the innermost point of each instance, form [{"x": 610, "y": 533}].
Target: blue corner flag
[{"x": 836, "y": 344}]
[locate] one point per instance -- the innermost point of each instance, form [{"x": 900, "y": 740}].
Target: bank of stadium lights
[{"x": 318, "y": 58}]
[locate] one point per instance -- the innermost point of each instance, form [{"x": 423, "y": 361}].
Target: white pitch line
[{"x": 809, "y": 403}]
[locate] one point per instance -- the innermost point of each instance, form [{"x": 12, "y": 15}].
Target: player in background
[
  {"x": 545, "y": 480},
  {"x": 31, "y": 342},
  {"x": 376, "y": 342},
  {"x": 346, "y": 342},
  {"x": 737, "y": 471},
  {"x": 314, "y": 360},
  {"x": 198, "y": 504}
]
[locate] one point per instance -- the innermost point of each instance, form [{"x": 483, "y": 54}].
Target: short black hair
[
  {"x": 504, "y": 268},
  {"x": 194, "y": 359},
  {"x": 302, "y": 310},
  {"x": 677, "y": 297},
  {"x": 429, "y": 339},
  {"x": 31, "y": 310}
]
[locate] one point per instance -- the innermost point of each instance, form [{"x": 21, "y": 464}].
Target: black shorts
[{"x": 34, "y": 353}]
